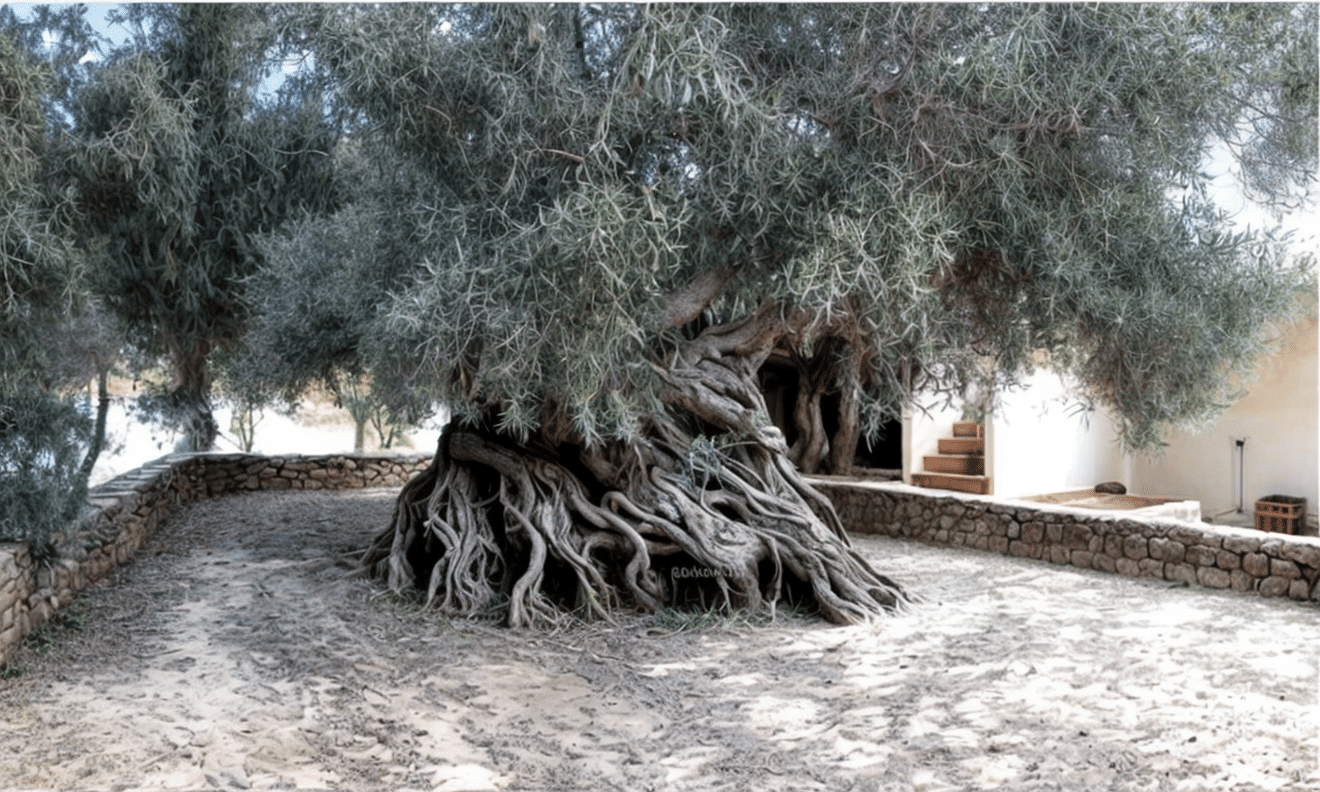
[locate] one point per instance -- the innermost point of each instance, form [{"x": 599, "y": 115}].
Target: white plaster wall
[
  {"x": 1278, "y": 418},
  {"x": 922, "y": 430},
  {"x": 1043, "y": 443}
]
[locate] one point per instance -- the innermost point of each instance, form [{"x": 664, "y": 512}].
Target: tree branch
[{"x": 686, "y": 304}]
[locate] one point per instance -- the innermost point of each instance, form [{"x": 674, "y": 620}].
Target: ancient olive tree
[
  {"x": 180, "y": 162},
  {"x": 629, "y": 207}
]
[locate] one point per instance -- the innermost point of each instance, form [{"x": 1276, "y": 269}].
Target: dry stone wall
[
  {"x": 123, "y": 513},
  {"x": 1219, "y": 557}
]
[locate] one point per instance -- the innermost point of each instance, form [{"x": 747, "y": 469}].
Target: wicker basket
[{"x": 1280, "y": 514}]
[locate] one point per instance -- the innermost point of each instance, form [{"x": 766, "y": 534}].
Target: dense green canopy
[
  {"x": 941, "y": 186},
  {"x": 180, "y": 163},
  {"x": 42, "y": 437}
]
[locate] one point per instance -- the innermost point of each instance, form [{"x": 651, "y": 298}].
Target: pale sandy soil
[{"x": 232, "y": 654}]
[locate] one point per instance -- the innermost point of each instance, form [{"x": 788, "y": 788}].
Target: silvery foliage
[{"x": 969, "y": 189}]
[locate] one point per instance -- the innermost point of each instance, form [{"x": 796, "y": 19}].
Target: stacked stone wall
[
  {"x": 122, "y": 513},
  {"x": 1213, "y": 556}
]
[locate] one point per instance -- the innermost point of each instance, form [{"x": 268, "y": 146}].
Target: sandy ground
[{"x": 234, "y": 654}]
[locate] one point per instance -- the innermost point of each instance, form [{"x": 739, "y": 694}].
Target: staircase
[{"x": 960, "y": 463}]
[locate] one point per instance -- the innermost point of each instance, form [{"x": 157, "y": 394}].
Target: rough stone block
[
  {"x": 1181, "y": 572},
  {"x": 1014, "y": 531},
  {"x": 38, "y": 613},
  {"x": 1241, "y": 544},
  {"x": 1213, "y": 577},
  {"x": 9, "y": 595},
  {"x": 1135, "y": 547},
  {"x": 1241, "y": 580},
  {"x": 1257, "y": 564},
  {"x": 1033, "y": 532},
  {"x": 9, "y": 637},
  {"x": 1280, "y": 567},
  {"x": 1149, "y": 567},
  {"x": 1199, "y": 555},
  {"x": 1059, "y": 554},
  {"x": 1307, "y": 554},
  {"x": 1113, "y": 545},
  {"x": 1054, "y": 534},
  {"x": 1104, "y": 563},
  {"x": 999, "y": 544},
  {"x": 1019, "y": 548},
  {"x": 1274, "y": 586},
  {"x": 1226, "y": 559},
  {"x": 1195, "y": 536},
  {"x": 1299, "y": 589},
  {"x": 277, "y": 483},
  {"x": 1167, "y": 550},
  {"x": 1127, "y": 567},
  {"x": 1077, "y": 537}
]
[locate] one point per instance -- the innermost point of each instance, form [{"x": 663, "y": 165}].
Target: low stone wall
[
  {"x": 1214, "y": 556},
  {"x": 123, "y": 512}
]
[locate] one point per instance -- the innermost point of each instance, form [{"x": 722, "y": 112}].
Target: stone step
[
  {"x": 962, "y": 445},
  {"x": 976, "y": 485},
  {"x": 967, "y": 464},
  {"x": 968, "y": 429}
]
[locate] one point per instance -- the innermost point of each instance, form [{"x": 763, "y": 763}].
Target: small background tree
[{"x": 180, "y": 164}]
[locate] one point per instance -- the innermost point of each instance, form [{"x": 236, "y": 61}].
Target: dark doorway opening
[{"x": 779, "y": 387}]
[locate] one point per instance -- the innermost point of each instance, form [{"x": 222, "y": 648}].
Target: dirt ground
[{"x": 234, "y": 654}]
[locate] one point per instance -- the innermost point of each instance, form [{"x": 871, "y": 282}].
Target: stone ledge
[{"x": 1212, "y": 556}]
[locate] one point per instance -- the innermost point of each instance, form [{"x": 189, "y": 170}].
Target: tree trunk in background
[
  {"x": 98, "y": 431},
  {"x": 812, "y": 442},
  {"x": 359, "y": 433},
  {"x": 190, "y": 399},
  {"x": 843, "y": 447}
]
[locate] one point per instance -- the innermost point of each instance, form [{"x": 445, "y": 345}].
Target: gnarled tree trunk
[
  {"x": 703, "y": 507},
  {"x": 189, "y": 397}
]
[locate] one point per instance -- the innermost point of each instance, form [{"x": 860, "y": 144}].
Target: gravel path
[{"x": 235, "y": 653}]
